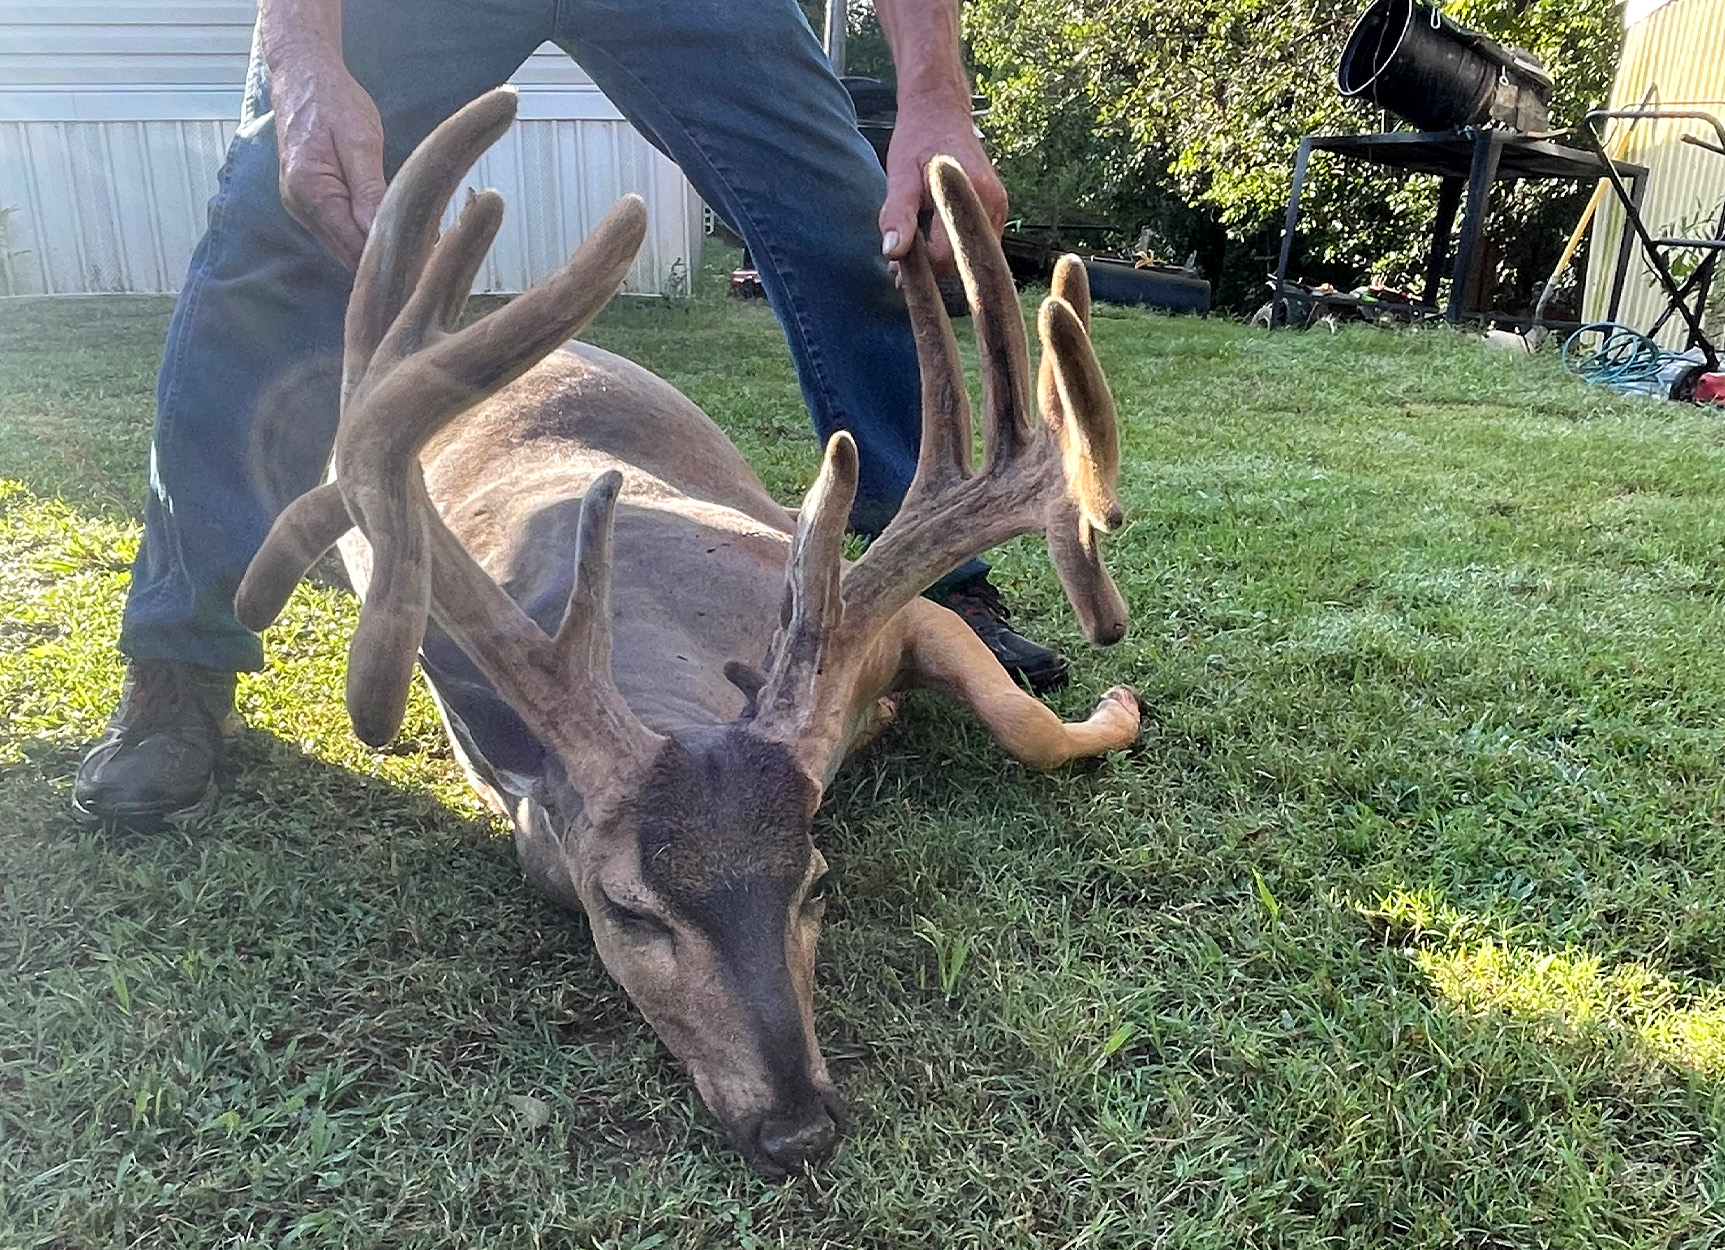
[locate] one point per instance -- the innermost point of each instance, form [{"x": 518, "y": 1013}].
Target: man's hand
[
  {"x": 920, "y": 135},
  {"x": 933, "y": 120},
  {"x": 330, "y": 139}
]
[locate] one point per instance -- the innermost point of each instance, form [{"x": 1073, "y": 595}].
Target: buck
[{"x": 645, "y": 662}]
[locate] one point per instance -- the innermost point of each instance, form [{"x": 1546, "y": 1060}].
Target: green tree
[{"x": 1184, "y": 115}]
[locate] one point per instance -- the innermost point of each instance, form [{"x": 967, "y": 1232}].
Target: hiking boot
[
  {"x": 979, "y": 604},
  {"x": 158, "y": 760}
]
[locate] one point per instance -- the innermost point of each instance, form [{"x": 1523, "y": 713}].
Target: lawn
[{"x": 1404, "y": 925}]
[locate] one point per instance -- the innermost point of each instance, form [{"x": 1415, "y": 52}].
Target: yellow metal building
[{"x": 1674, "y": 49}]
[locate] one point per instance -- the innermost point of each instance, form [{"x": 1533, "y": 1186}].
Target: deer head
[{"x": 690, "y": 852}]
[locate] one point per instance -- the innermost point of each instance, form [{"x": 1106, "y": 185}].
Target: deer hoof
[
  {"x": 1124, "y": 696},
  {"x": 1119, "y": 708}
]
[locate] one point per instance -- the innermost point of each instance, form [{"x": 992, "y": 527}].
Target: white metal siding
[
  {"x": 104, "y": 207},
  {"x": 114, "y": 119},
  {"x": 1677, "y": 50}
]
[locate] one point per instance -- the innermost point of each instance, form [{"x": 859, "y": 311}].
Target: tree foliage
[{"x": 1184, "y": 115}]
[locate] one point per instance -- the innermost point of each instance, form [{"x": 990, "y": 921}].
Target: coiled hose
[{"x": 1625, "y": 360}]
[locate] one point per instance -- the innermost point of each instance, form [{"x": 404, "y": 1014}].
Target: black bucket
[{"x": 1419, "y": 65}]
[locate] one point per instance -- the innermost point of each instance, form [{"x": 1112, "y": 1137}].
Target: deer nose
[{"x": 807, "y": 1136}]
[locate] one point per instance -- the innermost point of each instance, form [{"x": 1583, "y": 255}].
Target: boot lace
[
  {"x": 162, "y": 699},
  {"x": 978, "y": 598}
]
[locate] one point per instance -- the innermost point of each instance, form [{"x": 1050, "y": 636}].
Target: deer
[{"x": 644, "y": 662}]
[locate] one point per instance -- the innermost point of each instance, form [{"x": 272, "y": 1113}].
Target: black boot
[
  {"x": 977, "y": 601},
  {"x": 159, "y": 758}
]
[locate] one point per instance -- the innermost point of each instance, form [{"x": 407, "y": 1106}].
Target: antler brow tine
[
  {"x": 814, "y": 602},
  {"x": 306, "y": 528},
  {"x": 583, "y": 641}
]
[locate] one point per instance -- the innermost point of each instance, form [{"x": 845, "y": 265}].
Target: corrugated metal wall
[
  {"x": 115, "y": 117},
  {"x": 1678, "y": 50}
]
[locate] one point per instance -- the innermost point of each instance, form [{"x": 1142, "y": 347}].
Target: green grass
[{"x": 1404, "y": 926}]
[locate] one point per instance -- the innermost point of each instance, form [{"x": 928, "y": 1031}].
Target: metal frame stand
[
  {"x": 1470, "y": 161},
  {"x": 1697, "y": 286}
]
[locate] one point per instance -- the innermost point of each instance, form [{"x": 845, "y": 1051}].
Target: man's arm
[
  {"x": 933, "y": 119},
  {"x": 328, "y": 131}
]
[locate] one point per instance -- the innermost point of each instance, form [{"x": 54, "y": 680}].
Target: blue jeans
[{"x": 736, "y": 92}]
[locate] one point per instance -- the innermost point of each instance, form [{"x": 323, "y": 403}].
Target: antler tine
[
  {"x": 400, "y": 403},
  {"x": 944, "y": 457},
  {"x": 1071, "y": 284},
  {"x": 406, "y": 223},
  {"x": 465, "y": 264},
  {"x": 391, "y": 627},
  {"x": 583, "y": 640},
  {"x": 1079, "y": 412},
  {"x": 1078, "y": 407},
  {"x": 1001, "y": 345},
  {"x": 306, "y": 528},
  {"x": 441, "y": 292},
  {"x": 814, "y": 605},
  {"x": 500, "y": 347},
  {"x": 560, "y": 686}
]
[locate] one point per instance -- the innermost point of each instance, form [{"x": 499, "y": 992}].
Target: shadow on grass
[
  {"x": 336, "y": 988},
  {"x": 319, "y": 917}
]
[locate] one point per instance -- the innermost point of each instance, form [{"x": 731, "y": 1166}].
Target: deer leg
[{"x": 946, "y": 655}]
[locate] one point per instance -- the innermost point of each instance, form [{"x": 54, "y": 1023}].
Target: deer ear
[{"x": 748, "y": 679}]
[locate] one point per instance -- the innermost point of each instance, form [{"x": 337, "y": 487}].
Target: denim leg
[
  {"x": 739, "y": 94},
  {"x": 248, "y": 394}
]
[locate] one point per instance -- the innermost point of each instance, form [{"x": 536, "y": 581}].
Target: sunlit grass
[
  {"x": 1567, "y": 997},
  {"x": 1568, "y": 994}
]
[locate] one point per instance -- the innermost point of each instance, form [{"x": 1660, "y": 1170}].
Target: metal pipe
[
  {"x": 837, "y": 13},
  {"x": 1619, "y": 149}
]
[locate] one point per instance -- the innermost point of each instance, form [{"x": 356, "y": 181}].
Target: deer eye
[
  {"x": 633, "y": 919},
  {"x": 815, "y": 900}
]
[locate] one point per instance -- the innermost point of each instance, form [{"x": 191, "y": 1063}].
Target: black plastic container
[
  {"x": 876, "y": 104},
  {"x": 1164, "y": 287},
  {"x": 1419, "y": 65}
]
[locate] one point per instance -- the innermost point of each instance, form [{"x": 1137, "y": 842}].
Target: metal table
[{"x": 1472, "y": 159}]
